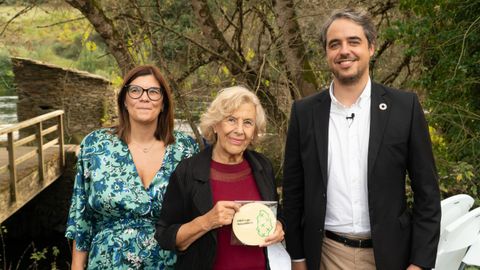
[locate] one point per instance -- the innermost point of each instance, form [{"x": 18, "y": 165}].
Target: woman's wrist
[
  {"x": 77, "y": 265},
  {"x": 202, "y": 223}
]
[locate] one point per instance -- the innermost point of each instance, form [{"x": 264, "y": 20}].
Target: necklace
[{"x": 145, "y": 149}]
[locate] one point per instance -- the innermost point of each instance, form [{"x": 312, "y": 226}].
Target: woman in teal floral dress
[{"x": 122, "y": 174}]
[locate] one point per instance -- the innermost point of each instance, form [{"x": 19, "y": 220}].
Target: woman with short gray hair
[
  {"x": 202, "y": 195},
  {"x": 227, "y": 101}
]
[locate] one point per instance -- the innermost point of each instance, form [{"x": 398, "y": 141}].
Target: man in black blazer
[{"x": 348, "y": 151}]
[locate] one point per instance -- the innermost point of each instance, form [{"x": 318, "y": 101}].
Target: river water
[{"x": 8, "y": 112}]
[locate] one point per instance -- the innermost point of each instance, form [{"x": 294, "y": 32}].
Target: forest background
[{"x": 272, "y": 47}]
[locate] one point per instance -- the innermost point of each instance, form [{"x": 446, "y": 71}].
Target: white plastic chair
[
  {"x": 473, "y": 255},
  {"x": 453, "y": 208},
  {"x": 455, "y": 240}
]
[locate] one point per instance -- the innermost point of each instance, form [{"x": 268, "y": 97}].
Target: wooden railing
[{"x": 38, "y": 137}]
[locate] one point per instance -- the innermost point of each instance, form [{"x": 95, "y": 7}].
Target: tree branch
[
  {"x": 181, "y": 101},
  {"x": 107, "y": 30},
  {"x": 177, "y": 91},
  {"x": 379, "y": 53},
  {"x": 298, "y": 68},
  {"x": 462, "y": 51},
  {"x": 194, "y": 67},
  {"x": 62, "y": 22},
  {"x": 264, "y": 20},
  {"x": 392, "y": 76},
  {"x": 238, "y": 31},
  {"x": 225, "y": 15},
  {"x": 217, "y": 40},
  {"x": 23, "y": 11},
  {"x": 381, "y": 7},
  {"x": 193, "y": 41}
]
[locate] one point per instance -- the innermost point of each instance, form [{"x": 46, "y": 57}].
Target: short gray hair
[
  {"x": 359, "y": 17},
  {"x": 228, "y": 101}
]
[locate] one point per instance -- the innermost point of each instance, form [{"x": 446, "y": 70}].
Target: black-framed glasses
[{"x": 135, "y": 92}]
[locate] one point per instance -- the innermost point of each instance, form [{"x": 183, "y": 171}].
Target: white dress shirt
[{"x": 347, "y": 193}]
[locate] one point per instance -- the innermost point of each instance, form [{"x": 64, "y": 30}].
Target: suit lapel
[
  {"x": 321, "y": 116},
  {"x": 379, "y": 114}
]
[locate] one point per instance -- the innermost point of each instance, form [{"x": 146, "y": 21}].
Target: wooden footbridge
[{"x": 32, "y": 162}]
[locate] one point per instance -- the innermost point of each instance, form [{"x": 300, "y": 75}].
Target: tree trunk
[
  {"x": 235, "y": 63},
  {"x": 298, "y": 67},
  {"x": 116, "y": 45},
  {"x": 216, "y": 39},
  {"x": 106, "y": 29}
]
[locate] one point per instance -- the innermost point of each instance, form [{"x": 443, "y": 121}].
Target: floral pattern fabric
[{"x": 112, "y": 215}]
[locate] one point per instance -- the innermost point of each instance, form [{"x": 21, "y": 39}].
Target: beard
[{"x": 349, "y": 79}]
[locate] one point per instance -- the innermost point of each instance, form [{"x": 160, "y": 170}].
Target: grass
[{"x": 56, "y": 35}]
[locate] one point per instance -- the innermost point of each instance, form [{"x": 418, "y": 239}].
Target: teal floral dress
[{"x": 113, "y": 216}]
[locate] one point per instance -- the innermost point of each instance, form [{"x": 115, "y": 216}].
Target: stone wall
[{"x": 88, "y": 100}]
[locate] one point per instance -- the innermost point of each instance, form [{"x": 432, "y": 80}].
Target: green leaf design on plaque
[{"x": 264, "y": 223}]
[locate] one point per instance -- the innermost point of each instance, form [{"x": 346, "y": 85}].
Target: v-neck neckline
[{"x": 138, "y": 180}]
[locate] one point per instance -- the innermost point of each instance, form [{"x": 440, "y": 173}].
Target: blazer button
[{"x": 324, "y": 195}]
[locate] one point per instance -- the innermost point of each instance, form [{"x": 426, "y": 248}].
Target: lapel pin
[{"x": 382, "y": 106}]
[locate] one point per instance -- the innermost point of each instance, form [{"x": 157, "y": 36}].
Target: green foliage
[
  {"x": 105, "y": 119},
  {"x": 444, "y": 36},
  {"x": 69, "y": 50},
  {"x": 37, "y": 256},
  {"x": 6, "y": 75},
  {"x": 54, "y": 34},
  {"x": 176, "y": 14},
  {"x": 55, "y": 253},
  {"x": 41, "y": 257}
]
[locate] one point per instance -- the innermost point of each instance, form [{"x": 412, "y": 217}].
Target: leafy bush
[
  {"x": 444, "y": 38},
  {"x": 7, "y": 87},
  {"x": 69, "y": 51}
]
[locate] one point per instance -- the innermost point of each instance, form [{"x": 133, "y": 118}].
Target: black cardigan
[{"x": 189, "y": 195}]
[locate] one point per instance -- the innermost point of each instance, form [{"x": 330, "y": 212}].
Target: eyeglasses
[
  {"x": 232, "y": 121},
  {"x": 135, "y": 92}
]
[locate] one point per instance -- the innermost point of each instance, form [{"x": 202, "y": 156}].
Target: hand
[
  {"x": 276, "y": 237},
  {"x": 299, "y": 265},
  {"x": 79, "y": 258},
  {"x": 413, "y": 267},
  {"x": 221, "y": 214}
]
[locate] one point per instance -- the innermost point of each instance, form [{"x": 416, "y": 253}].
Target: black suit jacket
[
  {"x": 189, "y": 195},
  {"x": 399, "y": 143}
]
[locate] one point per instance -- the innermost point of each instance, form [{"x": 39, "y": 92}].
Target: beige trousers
[{"x": 337, "y": 256}]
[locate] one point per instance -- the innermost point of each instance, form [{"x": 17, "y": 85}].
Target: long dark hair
[{"x": 164, "y": 131}]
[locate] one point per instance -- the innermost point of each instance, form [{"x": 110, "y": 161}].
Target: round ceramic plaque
[{"x": 253, "y": 222}]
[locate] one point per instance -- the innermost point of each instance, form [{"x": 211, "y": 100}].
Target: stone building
[{"x": 87, "y": 99}]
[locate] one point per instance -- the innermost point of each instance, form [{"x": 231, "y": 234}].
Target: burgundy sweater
[{"x": 230, "y": 183}]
